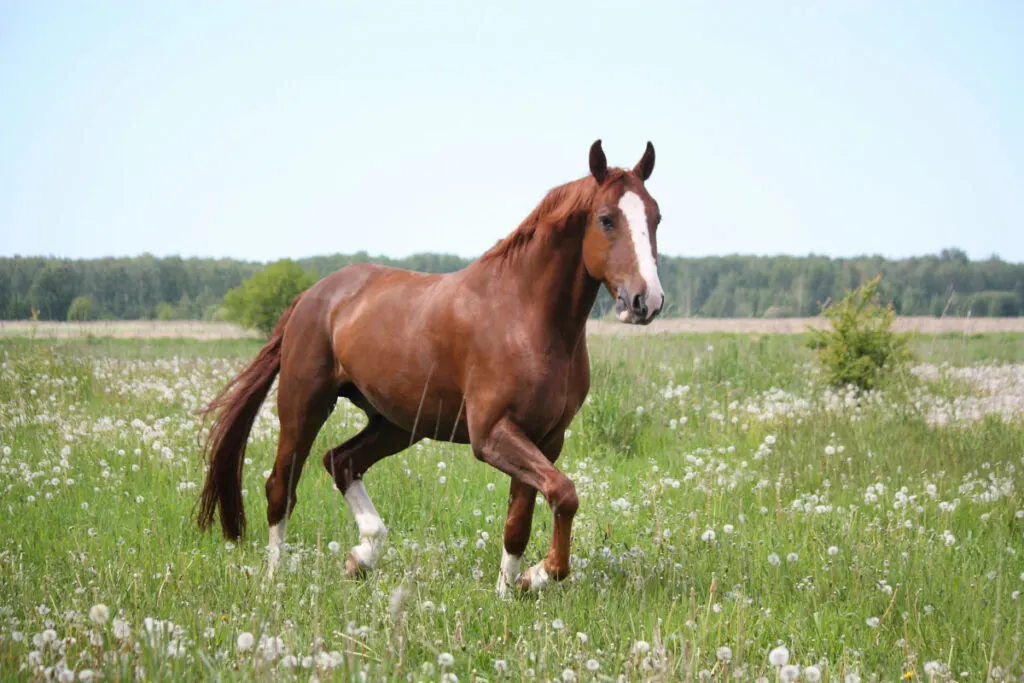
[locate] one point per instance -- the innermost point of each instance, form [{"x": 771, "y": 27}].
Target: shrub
[
  {"x": 81, "y": 309},
  {"x": 164, "y": 311},
  {"x": 259, "y": 301},
  {"x": 859, "y": 347}
]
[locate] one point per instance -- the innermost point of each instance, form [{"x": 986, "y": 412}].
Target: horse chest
[{"x": 551, "y": 398}]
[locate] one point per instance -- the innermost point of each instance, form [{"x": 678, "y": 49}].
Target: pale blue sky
[{"x": 263, "y": 130}]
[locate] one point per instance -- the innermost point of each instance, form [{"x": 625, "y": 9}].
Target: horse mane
[{"x": 552, "y": 214}]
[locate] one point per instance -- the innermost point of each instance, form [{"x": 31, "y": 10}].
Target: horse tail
[{"x": 238, "y": 403}]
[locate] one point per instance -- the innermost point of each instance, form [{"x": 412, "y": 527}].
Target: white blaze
[
  {"x": 632, "y": 207},
  {"x": 371, "y": 527}
]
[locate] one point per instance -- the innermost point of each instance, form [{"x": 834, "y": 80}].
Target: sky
[{"x": 266, "y": 130}]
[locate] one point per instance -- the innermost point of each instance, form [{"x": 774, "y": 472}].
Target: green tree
[
  {"x": 81, "y": 309},
  {"x": 53, "y": 289},
  {"x": 737, "y": 284},
  {"x": 259, "y": 301}
]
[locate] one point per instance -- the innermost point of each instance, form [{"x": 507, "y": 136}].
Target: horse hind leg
[
  {"x": 347, "y": 464},
  {"x": 304, "y": 403}
]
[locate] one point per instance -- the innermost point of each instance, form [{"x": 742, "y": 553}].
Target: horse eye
[
  {"x": 657, "y": 221},
  {"x": 606, "y": 222}
]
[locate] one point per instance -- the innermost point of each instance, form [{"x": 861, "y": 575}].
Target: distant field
[
  {"x": 126, "y": 329},
  {"x": 194, "y": 329},
  {"x": 925, "y": 325}
]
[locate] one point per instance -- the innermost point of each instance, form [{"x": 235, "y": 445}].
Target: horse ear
[
  {"x": 598, "y": 162},
  {"x": 646, "y": 164}
]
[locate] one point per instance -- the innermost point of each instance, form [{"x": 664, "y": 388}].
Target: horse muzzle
[{"x": 638, "y": 308}]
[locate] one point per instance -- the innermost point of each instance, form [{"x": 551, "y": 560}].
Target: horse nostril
[{"x": 640, "y": 305}]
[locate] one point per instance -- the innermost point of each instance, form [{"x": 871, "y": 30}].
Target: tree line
[{"x": 147, "y": 287}]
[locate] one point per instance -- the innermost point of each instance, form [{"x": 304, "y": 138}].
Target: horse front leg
[
  {"x": 521, "y": 500},
  {"x": 507, "y": 449}
]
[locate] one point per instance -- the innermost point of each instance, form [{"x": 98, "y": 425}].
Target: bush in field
[
  {"x": 164, "y": 311},
  {"x": 259, "y": 301},
  {"x": 859, "y": 347},
  {"x": 81, "y": 309}
]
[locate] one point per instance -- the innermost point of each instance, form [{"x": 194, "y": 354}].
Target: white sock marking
[
  {"x": 539, "y": 578},
  {"x": 276, "y": 545},
  {"x": 372, "y": 531},
  {"x": 507, "y": 572},
  {"x": 633, "y": 209}
]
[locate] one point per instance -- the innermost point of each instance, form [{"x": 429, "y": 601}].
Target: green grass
[{"x": 675, "y": 440}]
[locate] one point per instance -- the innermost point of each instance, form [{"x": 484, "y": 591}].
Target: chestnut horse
[{"x": 494, "y": 355}]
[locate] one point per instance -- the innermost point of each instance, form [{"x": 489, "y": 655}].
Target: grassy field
[{"x": 730, "y": 506}]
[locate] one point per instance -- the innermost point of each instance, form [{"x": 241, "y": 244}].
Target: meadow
[{"x": 738, "y": 521}]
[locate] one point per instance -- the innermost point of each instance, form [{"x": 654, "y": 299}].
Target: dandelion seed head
[
  {"x": 99, "y": 614},
  {"x": 779, "y": 656},
  {"x": 244, "y": 642},
  {"x": 789, "y": 673}
]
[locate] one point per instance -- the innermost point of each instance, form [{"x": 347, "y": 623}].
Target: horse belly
[
  {"x": 434, "y": 411},
  {"x": 401, "y": 377}
]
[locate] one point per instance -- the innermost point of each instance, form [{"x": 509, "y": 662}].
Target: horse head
[{"x": 620, "y": 244}]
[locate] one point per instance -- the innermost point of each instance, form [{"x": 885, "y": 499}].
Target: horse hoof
[
  {"x": 522, "y": 582},
  {"x": 354, "y": 569}
]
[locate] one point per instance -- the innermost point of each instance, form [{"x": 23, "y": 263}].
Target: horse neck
[{"x": 558, "y": 284}]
